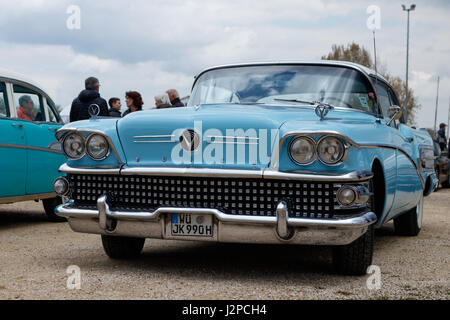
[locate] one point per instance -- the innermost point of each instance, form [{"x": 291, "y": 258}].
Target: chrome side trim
[
  {"x": 349, "y": 141},
  {"x": 156, "y": 136},
  {"x": 171, "y": 136},
  {"x": 64, "y": 168},
  {"x": 28, "y": 197},
  {"x": 360, "y": 221},
  {"x": 18, "y": 146},
  {"x": 192, "y": 172},
  {"x": 155, "y": 141},
  {"x": 361, "y": 175},
  {"x": 59, "y": 134},
  {"x": 231, "y": 137}
]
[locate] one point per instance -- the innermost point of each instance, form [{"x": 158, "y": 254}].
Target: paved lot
[{"x": 35, "y": 254}]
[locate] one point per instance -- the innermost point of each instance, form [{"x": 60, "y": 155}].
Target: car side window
[
  {"x": 28, "y": 104},
  {"x": 4, "y": 109},
  {"x": 383, "y": 99},
  {"x": 52, "y": 117}
]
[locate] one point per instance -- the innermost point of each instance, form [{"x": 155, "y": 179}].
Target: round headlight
[
  {"x": 61, "y": 186},
  {"x": 97, "y": 147},
  {"x": 302, "y": 150},
  {"x": 346, "y": 195},
  {"x": 73, "y": 146},
  {"x": 330, "y": 150}
]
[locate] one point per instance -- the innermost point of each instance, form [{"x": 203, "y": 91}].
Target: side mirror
[{"x": 395, "y": 112}]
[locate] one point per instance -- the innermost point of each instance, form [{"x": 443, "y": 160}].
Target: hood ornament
[
  {"x": 189, "y": 140},
  {"x": 322, "y": 110},
  {"x": 94, "y": 110}
]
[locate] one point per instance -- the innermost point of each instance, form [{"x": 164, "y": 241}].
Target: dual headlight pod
[
  {"x": 329, "y": 149},
  {"x": 75, "y": 146}
]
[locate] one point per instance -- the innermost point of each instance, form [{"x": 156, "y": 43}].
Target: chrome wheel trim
[{"x": 419, "y": 212}]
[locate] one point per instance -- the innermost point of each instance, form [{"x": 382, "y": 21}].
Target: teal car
[
  {"x": 270, "y": 153},
  {"x": 29, "y": 152}
]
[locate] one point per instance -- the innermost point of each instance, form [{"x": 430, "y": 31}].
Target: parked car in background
[
  {"x": 442, "y": 165},
  {"x": 29, "y": 152},
  {"x": 284, "y": 153}
]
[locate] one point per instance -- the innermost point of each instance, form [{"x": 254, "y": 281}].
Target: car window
[
  {"x": 51, "y": 114},
  {"x": 4, "y": 110},
  {"x": 275, "y": 84},
  {"x": 383, "y": 99},
  {"x": 28, "y": 104}
]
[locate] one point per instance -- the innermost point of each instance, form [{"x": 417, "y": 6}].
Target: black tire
[
  {"x": 410, "y": 223},
  {"x": 49, "y": 207},
  {"x": 356, "y": 257},
  {"x": 122, "y": 247}
]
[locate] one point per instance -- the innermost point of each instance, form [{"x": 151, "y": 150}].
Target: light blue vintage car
[
  {"x": 30, "y": 155},
  {"x": 286, "y": 153}
]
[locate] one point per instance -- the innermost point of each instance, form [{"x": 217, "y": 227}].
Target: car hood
[{"x": 151, "y": 138}]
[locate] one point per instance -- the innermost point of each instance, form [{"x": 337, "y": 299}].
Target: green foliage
[{"x": 353, "y": 52}]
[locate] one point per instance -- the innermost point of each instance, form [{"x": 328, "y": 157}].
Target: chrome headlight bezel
[
  {"x": 342, "y": 156},
  {"x": 88, "y": 152},
  {"x": 66, "y": 185},
  {"x": 82, "y": 145},
  {"x": 313, "y": 145}
]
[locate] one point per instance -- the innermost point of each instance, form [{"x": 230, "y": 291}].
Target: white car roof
[
  {"x": 17, "y": 77},
  {"x": 367, "y": 71}
]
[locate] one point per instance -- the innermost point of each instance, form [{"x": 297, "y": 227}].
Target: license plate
[{"x": 197, "y": 225}]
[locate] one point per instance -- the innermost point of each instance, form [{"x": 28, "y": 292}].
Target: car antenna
[{"x": 375, "y": 57}]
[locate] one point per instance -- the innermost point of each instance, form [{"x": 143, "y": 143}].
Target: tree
[{"x": 353, "y": 52}]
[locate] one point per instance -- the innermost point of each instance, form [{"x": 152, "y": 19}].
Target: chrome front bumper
[{"x": 227, "y": 228}]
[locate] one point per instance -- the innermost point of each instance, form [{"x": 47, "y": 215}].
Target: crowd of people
[{"x": 133, "y": 99}]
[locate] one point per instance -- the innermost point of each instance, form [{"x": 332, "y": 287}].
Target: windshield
[{"x": 284, "y": 84}]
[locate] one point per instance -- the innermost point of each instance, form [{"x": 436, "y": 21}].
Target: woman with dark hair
[{"x": 134, "y": 102}]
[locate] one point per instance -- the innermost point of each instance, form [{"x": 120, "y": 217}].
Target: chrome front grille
[{"x": 236, "y": 196}]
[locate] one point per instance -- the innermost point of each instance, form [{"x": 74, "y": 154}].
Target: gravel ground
[{"x": 35, "y": 254}]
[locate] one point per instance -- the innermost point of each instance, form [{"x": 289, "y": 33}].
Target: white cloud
[{"x": 151, "y": 45}]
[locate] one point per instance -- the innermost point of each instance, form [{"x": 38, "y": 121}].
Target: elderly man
[
  {"x": 162, "y": 101},
  {"x": 25, "y": 111},
  {"x": 174, "y": 98},
  {"x": 91, "y": 95}
]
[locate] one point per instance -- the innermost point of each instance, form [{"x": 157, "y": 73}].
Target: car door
[
  {"x": 407, "y": 177},
  {"x": 44, "y": 152},
  {"x": 13, "y": 152}
]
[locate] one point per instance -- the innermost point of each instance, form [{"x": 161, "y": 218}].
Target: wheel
[
  {"x": 438, "y": 177},
  {"x": 122, "y": 247},
  {"x": 410, "y": 223},
  {"x": 49, "y": 207},
  {"x": 356, "y": 257}
]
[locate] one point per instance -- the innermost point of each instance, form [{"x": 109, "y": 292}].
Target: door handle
[{"x": 17, "y": 125}]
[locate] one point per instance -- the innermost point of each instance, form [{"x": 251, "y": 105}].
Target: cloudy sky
[{"x": 150, "y": 46}]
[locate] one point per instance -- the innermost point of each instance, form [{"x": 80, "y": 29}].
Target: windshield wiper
[{"x": 312, "y": 103}]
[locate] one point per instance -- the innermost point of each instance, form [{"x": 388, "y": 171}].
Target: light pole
[{"x": 411, "y": 8}]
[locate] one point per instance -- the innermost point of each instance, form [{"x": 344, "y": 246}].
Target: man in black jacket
[
  {"x": 441, "y": 137},
  {"x": 114, "y": 107},
  {"x": 91, "y": 95}
]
